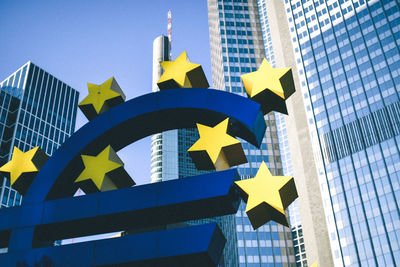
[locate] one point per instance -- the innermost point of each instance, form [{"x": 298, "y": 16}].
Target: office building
[
  {"x": 164, "y": 146},
  {"x": 37, "y": 109},
  {"x": 237, "y": 48},
  {"x": 347, "y": 55},
  {"x": 170, "y": 159}
]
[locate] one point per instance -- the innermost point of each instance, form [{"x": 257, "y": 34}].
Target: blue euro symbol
[{"x": 49, "y": 213}]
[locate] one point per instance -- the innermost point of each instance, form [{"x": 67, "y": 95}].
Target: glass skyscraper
[
  {"x": 164, "y": 146},
  {"x": 170, "y": 159},
  {"x": 36, "y": 109},
  {"x": 347, "y": 55},
  {"x": 237, "y": 48}
]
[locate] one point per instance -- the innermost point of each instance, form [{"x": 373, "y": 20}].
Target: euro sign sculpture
[{"x": 89, "y": 160}]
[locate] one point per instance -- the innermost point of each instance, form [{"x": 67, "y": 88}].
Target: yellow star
[
  {"x": 315, "y": 264},
  {"x": 106, "y": 171},
  {"x": 267, "y": 196},
  {"x": 216, "y": 149},
  {"x": 23, "y": 167},
  {"x": 269, "y": 86},
  {"x": 180, "y": 73},
  {"x": 101, "y": 98}
]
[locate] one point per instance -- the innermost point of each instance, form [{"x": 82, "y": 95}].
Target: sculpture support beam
[
  {"x": 200, "y": 246},
  {"x": 138, "y": 207}
]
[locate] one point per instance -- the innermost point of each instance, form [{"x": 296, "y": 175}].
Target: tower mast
[{"x": 169, "y": 33}]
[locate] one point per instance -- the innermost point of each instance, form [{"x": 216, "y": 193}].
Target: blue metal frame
[
  {"x": 139, "y": 118},
  {"x": 132, "y": 208},
  {"x": 192, "y": 246},
  {"x": 45, "y": 217}
]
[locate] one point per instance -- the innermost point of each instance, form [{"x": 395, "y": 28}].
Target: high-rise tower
[
  {"x": 164, "y": 155},
  {"x": 170, "y": 159},
  {"x": 36, "y": 109},
  {"x": 237, "y": 48},
  {"x": 347, "y": 56}
]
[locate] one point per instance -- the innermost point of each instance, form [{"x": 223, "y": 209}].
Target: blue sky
[{"x": 91, "y": 41}]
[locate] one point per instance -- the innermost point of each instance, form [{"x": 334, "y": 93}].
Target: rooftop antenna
[{"x": 169, "y": 33}]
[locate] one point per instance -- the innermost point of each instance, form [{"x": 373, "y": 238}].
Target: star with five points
[
  {"x": 215, "y": 141},
  {"x": 101, "y": 98},
  {"x": 20, "y": 163},
  {"x": 97, "y": 168},
  {"x": 267, "y": 196},
  {"x": 182, "y": 73},
  {"x": 265, "y": 78}
]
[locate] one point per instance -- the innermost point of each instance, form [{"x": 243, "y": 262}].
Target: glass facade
[
  {"x": 237, "y": 48},
  {"x": 348, "y": 60},
  {"x": 36, "y": 109}
]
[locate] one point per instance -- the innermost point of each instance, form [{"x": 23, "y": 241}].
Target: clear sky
[{"x": 92, "y": 40}]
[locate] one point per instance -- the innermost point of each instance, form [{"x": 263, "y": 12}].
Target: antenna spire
[{"x": 169, "y": 33}]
